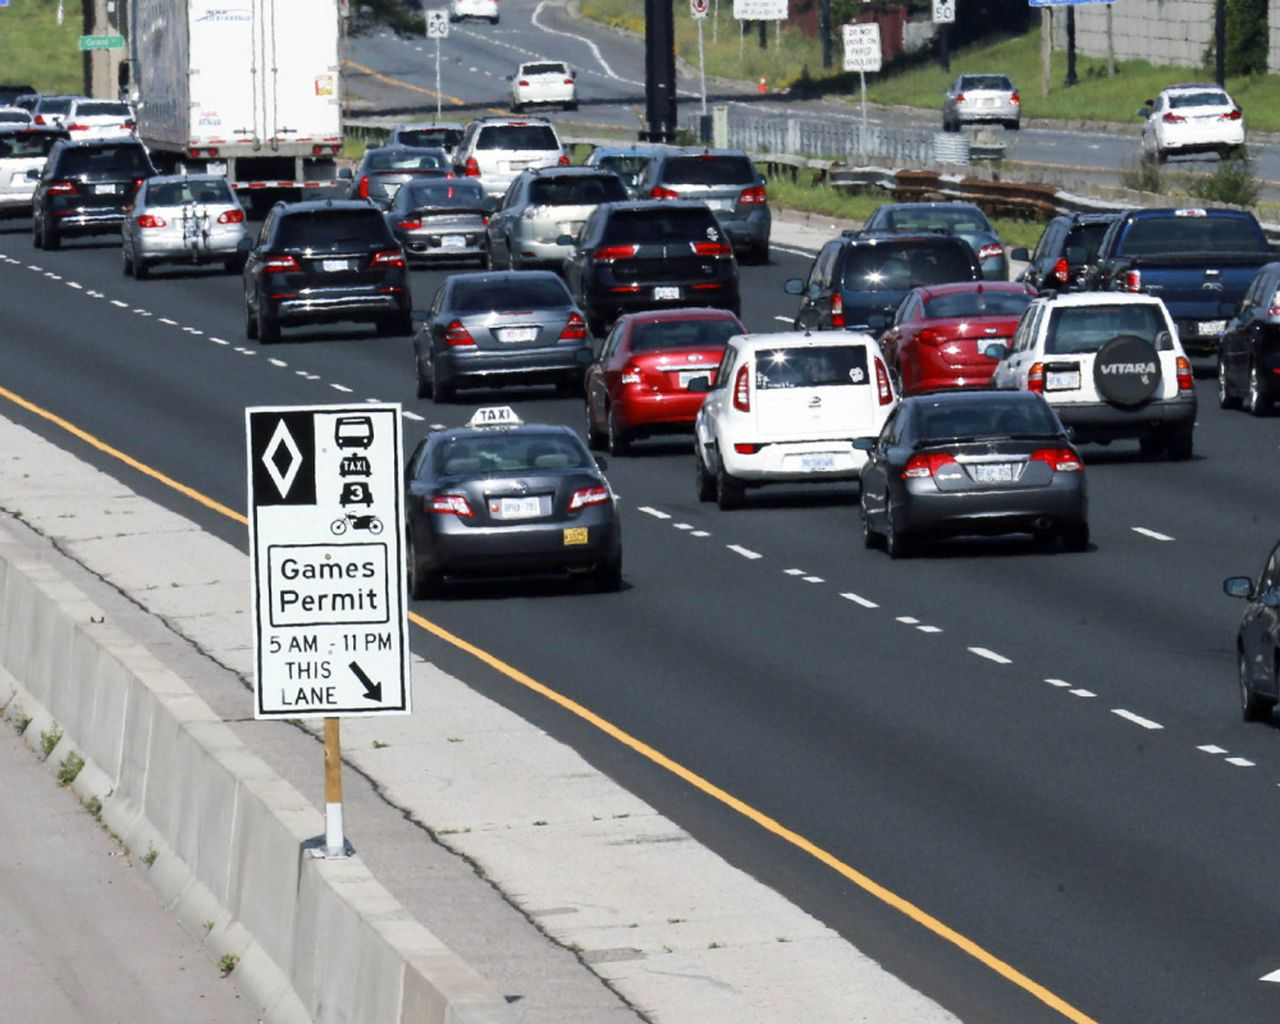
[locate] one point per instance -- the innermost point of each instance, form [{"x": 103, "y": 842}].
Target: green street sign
[{"x": 102, "y": 42}]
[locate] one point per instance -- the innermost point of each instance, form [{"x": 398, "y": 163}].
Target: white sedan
[
  {"x": 544, "y": 82},
  {"x": 1192, "y": 119}
]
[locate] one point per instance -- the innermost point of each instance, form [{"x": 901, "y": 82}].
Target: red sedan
[
  {"x": 639, "y": 383},
  {"x": 941, "y": 333}
]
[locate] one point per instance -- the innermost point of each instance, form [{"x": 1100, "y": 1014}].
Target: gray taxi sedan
[{"x": 180, "y": 218}]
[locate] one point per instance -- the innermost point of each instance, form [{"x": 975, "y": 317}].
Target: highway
[{"x": 1042, "y": 752}]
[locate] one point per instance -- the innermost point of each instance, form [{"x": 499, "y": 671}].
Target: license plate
[
  {"x": 515, "y": 508},
  {"x": 1211, "y": 326},
  {"x": 687, "y": 377},
  {"x": 517, "y": 165},
  {"x": 517, "y": 333},
  {"x": 575, "y": 535},
  {"x": 330, "y": 266},
  {"x": 105, "y": 190},
  {"x": 817, "y": 463},
  {"x": 662, "y": 292},
  {"x": 1068, "y": 380},
  {"x": 453, "y": 242},
  {"x": 720, "y": 204},
  {"x": 993, "y": 473},
  {"x": 990, "y": 103}
]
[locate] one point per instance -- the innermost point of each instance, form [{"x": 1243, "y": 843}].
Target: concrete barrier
[{"x": 317, "y": 940}]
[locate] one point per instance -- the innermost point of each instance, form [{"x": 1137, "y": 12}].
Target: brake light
[
  {"x": 575, "y": 329},
  {"x": 568, "y": 81},
  {"x": 362, "y": 190},
  {"x": 927, "y": 464},
  {"x": 280, "y": 264},
  {"x": 451, "y": 504},
  {"x": 837, "y": 310},
  {"x": 1132, "y": 281},
  {"x": 1060, "y": 460},
  {"x": 1183, "y": 372},
  {"x": 742, "y": 390},
  {"x": 563, "y": 161},
  {"x": 746, "y": 448},
  {"x": 387, "y": 258},
  {"x": 472, "y": 169},
  {"x": 585, "y": 496},
  {"x": 631, "y": 375},
  {"x": 39, "y": 119},
  {"x": 409, "y": 225},
  {"x": 990, "y": 251},
  {"x": 149, "y": 220},
  {"x": 457, "y": 336},
  {"x": 712, "y": 248},
  {"x": 1062, "y": 271},
  {"x": 1232, "y": 115},
  {"x": 616, "y": 252},
  {"x": 1035, "y": 378},
  {"x": 137, "y": 183},
  {"x": 131, "y": 125},
  {"x": 1173, "y": 119},
  {"x": 523, "y": 82},
  {"x": 231, "y": 217},
  {"x": 959, "y": 97},
  {"x": 63, "y": 188},
  {"x": 77, "y": 127},
  {"x": 931, "y": 336},
  {"x": 661, "y": 192},
  {"x": 883, "y": 390},
  {"x": 1015, "y": 99},
  {"x": 753, "y": 195}
]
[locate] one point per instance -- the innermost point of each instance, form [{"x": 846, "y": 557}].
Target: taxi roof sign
[{"x": 495, "y": 416}]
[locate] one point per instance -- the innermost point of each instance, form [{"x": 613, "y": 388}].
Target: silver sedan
[
  {"x": 191, "y": 219},
  {"x": 981, "y": 99}
]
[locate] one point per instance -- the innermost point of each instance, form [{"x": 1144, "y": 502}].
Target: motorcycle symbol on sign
[{"x": 355, "y": 521}]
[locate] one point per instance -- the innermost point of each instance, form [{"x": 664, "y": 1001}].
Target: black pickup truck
[{"x": 1199, "y": 261}]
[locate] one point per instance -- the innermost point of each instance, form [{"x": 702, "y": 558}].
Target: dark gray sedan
[
  {"x": 441, "y": 220},
  {"x": 383, "y": 170},
  {"x": 955, "y": 463},
  {"x": 501, "y": 327}
]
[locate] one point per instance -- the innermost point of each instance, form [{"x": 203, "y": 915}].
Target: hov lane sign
[
  {"x": 326, "y": 539},
  {"x": 438, "y": 24}
]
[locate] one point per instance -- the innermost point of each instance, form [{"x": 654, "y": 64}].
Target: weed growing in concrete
[
  {"x": 49, "y": 740},
  {"x": 379, "y": 745},
  {"x": 150, "y": 856},
  {"x": 1144, "y": 176},
  {"x": 227, "y": 963},
  {"x": 539, "y": 822},
  {"x": 715, "y": 945},
  {"x": 93, "y": 805},
  {"x": 69, "y": 768},
  {"x": 1233, "y": 181},
  {"x": 208, "y": 927},
  {"x": 19, "y": 721}
]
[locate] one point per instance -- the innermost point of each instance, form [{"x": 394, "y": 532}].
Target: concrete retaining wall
[
  {"x": 1159, "y": 31},
  {"x": 318, "y": 940}
]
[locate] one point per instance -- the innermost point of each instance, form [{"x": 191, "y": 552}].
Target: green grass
[{"x": 36, "y": 50}]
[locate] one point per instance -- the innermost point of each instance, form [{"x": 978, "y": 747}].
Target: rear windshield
[
  {"x": 628, "y": 168},
  {"x": 577, "y": 191},
  {"x": 544, "y": 69},
  {"x": 992, "y": 417},
  {"x": 1207, "y": 98},
  {"x": 686, "y": 334},
  {"x": 654, "y": 227},
  {"x": 517, "y": 451},
  {"x": 517, "y": 137},
  {"x": 486, "y": 294},
  {"x": 889, "y": 267},
  {"x": 24, "y": 144},
  {"x": 176, "y": 193},
  {"x": 16, "y": 114},
  {"x": 99, "y": 108},
  {"x": 58, "y": 105},
  {"x": 811, "y": 367},
  {"x": 444, "y": 137},
  {"x": 708, "y": 170},
  {"x": 1158, "y": 236},
  {"x": 1000, "y": 82},
  {"x": 127, "y": 159},
  {"x": 1084, "y": 239},
  {"x": 983, "y": 303},
  {"x": 962, "y": 221},
  {"x": 405, "y": 160},
  {"x": 334, "y": 229},
  {"x": 1088, "y": 328},
  {"x": 465, "y": 195}
]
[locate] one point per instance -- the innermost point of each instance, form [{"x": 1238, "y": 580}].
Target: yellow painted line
[
  {"x": 868, "y": 885},
  {"x": 401, "y": 84}
]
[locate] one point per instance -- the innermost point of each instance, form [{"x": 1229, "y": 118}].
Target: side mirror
[
  {"x": 565, "y": 240},
  {"x": 33, "y": 174},
  {"x": 794, "y": 286},
  {"x": 877, "y": 321},
  {"x": 1238, "y": 586},
  {"x": 345, "y": 174},
  {"x": 864, "y": 444},
  {"x": 1144, "y": 111},
  {"x": 700, "y": 385},
  {"x": 1020, "y": 254}
]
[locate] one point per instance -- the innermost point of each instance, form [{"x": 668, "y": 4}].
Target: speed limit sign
[
  {"x": 944, "y": 11},
  {"x": 698, "y": 8},
  {"x": 438, "y": 24}
]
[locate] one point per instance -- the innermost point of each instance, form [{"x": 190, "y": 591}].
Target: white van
[{"x": 785, "y": 408}]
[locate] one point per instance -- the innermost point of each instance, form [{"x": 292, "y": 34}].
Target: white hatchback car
[
  {"x": 1192, "y": 119},
  {"x": 1111, "y": 366},
  {"x": 543, "y": 82},
  {"x": 481, "y": 10},
  {"x": 785, "y": 408}
]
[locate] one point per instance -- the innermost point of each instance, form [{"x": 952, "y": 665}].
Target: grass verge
[{"x": 36, "y": 50}]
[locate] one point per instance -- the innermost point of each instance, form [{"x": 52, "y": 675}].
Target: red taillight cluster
[
  {"x": 884, "y": 392},
  {"x": 280, "y": 264},
  {"x": 1232, "y": 115},
  {"x": 1173, "y": 119},
  {"x": 523, "y": 83},
  {"x": 450, "y": 504},
  {"x": 837, "y": 310},
  {"x": 409, "y": 225},
  {"x": 472, "y": 169},
  {"x": 661, "y": 192},
  {"x": 1183, "y": 373},
  {"x": 150, "y": 220},
  {"x": 568, "y": 81},
  {"x": 1062, "y": 271},
  {"x": 563, "y": 161},
  {"x": 387, "y": 258},
  {"x": 1015, "y": 99},
  {"x": 77, "y": 127},
  {"x": 1060, "y": 460},
  {"x": 362, "y": 189},
  {"x": 931, "y": 336},
  {"x": 712, "y": 248},
  {"x": 959, "y": 97},
  {"x": 585, "y": 496},
  {"x": 742, "y": 390},
  {"x": 63, "y": 188},
  {"x": 616, "y": 252},
  {"x": 575, "y": 329},
  {"x": 1035, "y": 378},
  {"x": 457, "y": 336},
  {"x": 753, "y": 195},
  {"x": 927, "y": 464},
  {"x": 990, "y": 252},
  {"x": 231, "y": 217}
]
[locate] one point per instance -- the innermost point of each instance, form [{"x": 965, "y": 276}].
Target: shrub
[{"x": 1233, "y": 182}]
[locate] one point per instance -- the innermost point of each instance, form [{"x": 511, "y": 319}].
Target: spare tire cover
[{"x": 1126, "y": 370}]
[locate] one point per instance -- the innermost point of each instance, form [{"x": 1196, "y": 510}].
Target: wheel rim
[
  {"x": 1244, "y": 682},
  {"x": 1255, "y": 389},
  {"x": 1223, "y": 397}
]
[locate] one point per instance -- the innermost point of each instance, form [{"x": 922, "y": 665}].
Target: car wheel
[
  {"x": 421, "y": 377},
  {"x": 49, "y": 239},
  {"x": 618, "y": 440},
  {"x": 442, "y": 394},
  {"x": 1252, "y": 707},
  {"x": 141, "y": 270},
  {"x": 870, "y": 539},
  {"x": 571, "y": 106},
  {"x": 1151, "y": 447},
  {"x": 607, "y": 576},
  {"x": 1076, "y": 537},
  {"x": 1180, "y": 445},
  {"x": 35, "y": 233},
  {"x": 1161, "y": 155},
  {"x": 268, "y": 328},
  {"x": 729, "y": 492},
  {"x": 517, "y": 108},
  {"x": 493, "y": 20},
  {"x": 760, "y": 253},
  {"x": 895, "y": 544},
  {"x": 126, "y": 263},
  {"x": 1226, "y": 400},
  {"x": 1258, "y": 403},
  {"x": 595, "y": 437},
  {"x": 1013, "y": 126},
  {"x": 422, "y": 584},
  {"x": 235, "y": 264},
  {"x": 704, "y": 482}
]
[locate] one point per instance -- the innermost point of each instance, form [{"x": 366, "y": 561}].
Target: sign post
[
  {"x": 437, "y": 29},
  {"x": 326, "y": 542},
  {"x": 862, "y": 54},
  {"x": 699, "y": 9},
  {"x": 757, "y": 10}
]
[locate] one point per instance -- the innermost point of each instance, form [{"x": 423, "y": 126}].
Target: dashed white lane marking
[
  {"x": 166, "y": 320},
  {"x": 784, "y": 319},
  {"x": 738, "y": 549},
  {"x": 193, "y": 330},
  {"x": 223, "y": 341},
  {"x": 983, "y": 652},
  {"x": 277, "y": 362},
  {"x": 341, "y": 387},
  {"x": 595, "y": 50},
  {"x": 438, "y": 426},
  {"x": 411, "y": 415},
  {"x": 140, "y": 311},
  {"x": 794, "y": 572},
  {"x": 246, "y": 351},
  {"x": 656, "y": 513},
  {"x": 1241, "y": 762},
  {"x": 76, "y": 285},
  {"x": 929, "y": 629},
  {"x": 699, "y": 533},
  {"x": 94, "y": 295},
  {"x": 859, "y": 600},
  {"x": 793, "y": 251},
  {"x": 1273, "y": 976},
  {"x": 52, "y": 276},
  {"x": 1212, "y": 748},
  {"x": 814, "y": 579},
  {"x": 1129, "y": 716},
  {"x": 683, "y": 526},
  {"x": 908, "y": 620},
  {"x": 1082, "y": 692},
  {"x": 32, "y": 266},
  {"x": 119, "y": 305},
  {"x": 1151, "y": 533},
  {"x": 1058, "y": 682}
]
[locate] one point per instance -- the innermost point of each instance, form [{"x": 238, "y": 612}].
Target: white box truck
[{"x": 246, "y": 88}]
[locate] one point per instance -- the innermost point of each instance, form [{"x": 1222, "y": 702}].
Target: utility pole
[
  {"x": 659, "y": 71},
  {"x": 1220, "y": 41},
  {"x": 826, "y": 33},
  {"x": 1071, "y": 45}
]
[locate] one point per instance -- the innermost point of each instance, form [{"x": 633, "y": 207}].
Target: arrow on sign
[{"x": 372, "y": 690}]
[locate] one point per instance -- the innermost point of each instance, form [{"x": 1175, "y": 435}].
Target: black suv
[
  {"x": 650, "y": 255},
  {"x": 858, "y": 283},
  {"x": 86, "y": 189},
  {"x": 1065, "y": 250},
  {"x": 325, "y": 262}
]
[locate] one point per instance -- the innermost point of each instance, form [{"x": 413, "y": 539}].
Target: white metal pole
[
  {"x": 740, "y": 39},
  {"x": 715, "y": 25},
  {"x": 702, "y": 67},
  {"x": 862, "y": 137},
  {"x": 437, "y": 78}
]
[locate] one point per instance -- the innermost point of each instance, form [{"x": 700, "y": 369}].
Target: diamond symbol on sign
[{"x": 282, "y": 459}]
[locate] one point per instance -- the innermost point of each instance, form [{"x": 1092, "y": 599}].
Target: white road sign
[
  {"x": 944, "y": 11},
  {"x": 760, "y": 10},
  {"x": 326, "y": 539},
  {"x": 862, "y": 47},
  {"x": 699, "y": 8},
  {"x": 438, "y": 24}
]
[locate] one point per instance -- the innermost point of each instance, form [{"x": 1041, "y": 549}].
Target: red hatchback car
[
  {"x": 939, "y": 335},
  {"x": 639, "y": 383}
]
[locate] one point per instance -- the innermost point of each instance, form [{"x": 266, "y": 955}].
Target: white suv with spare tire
[{"x": 1112, "y": 367}]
